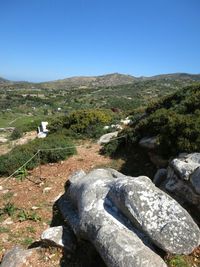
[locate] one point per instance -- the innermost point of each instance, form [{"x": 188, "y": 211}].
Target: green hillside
[
  {"x": 23, "y": 104},
  {"x": 175, "y": 120}
]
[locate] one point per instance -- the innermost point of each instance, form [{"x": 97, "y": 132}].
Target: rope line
[
  {"x": 20, "y": 167},
  {"x": 60, "y": 148},
  {"x": 52, "y": 149}
]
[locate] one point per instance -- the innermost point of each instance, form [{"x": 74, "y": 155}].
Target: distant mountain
[
  {"x": 176, "y": 76},
  {"x": 113, "y": 79},
  {"x": 116, "y": 79},
  {"x": 108, "y": 80}
]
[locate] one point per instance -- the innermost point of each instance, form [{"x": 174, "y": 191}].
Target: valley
[{"x": 162, "y": 110}]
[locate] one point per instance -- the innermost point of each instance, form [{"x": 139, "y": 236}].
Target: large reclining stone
[
  {"x": 167, "y": 224},
  {"x": 117, "y": 245}
]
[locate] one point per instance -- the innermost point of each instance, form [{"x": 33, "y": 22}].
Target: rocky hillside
[
  {"x": 173, "y": 121},
  {"x": 108, "y": 80},
  {"x": 94, "y": 81},
  {"x": 176, "y": 77}
]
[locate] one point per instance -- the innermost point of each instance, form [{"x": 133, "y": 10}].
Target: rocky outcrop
[
  {"x": 183, "y": 178},
  {"x": 106, "y": 138},
  {"x": 164, "y": 221},
  {"x": 124, "y": 217},
  {"x": 101, "y": 224},
  {"x": 126, "y": 121}
]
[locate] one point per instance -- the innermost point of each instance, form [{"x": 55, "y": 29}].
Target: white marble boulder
[
  {"x": 117, "y": 213},
  {"x": 183, "y": 179}
]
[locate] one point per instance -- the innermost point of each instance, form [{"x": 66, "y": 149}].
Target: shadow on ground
[{"x": 136, "y": 161}]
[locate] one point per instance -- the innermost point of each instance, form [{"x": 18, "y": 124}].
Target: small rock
[
  {"x": 59, "y": 236},
  {"x": 1, "y": 187},
  {"x": 184, "y": 168},
  {"x": 106, "y": 138},
  {"x": 16, "y": 257},
  {"x": 34, "y": 208},
  {"x": 46, "y": 189},
  {"x": 7, "y": 221},
  {"x": 183, "y": 180}
]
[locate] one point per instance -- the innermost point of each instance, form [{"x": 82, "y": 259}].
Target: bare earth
[
  {"x": 36, "y": 196},
  {"x": 5, "y": 148}
]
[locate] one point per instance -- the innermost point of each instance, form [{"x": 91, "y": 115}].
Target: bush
[
  {"x": 21, "y": 154},
  {"x": 16, "y": 134},
  {"x": 178, "y": 261},
  {"x": 16, "y": 158},
  {"x": 82, "y": 123},
  {"x": 110, "y": 148},
  {"x": 55, "y": 141},
  {"x": 174, "y": 119}
]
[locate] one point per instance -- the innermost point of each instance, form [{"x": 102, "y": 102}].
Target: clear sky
[{"x": 51, "y": 39}]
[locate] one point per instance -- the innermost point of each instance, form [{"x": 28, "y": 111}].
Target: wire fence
[{"x": 38, "y": 154}]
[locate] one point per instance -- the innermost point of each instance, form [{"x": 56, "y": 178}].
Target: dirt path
[{"x": 36, "y": 198}]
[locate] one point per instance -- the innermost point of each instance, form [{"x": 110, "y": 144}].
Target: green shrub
[
  {"x": 174, "y": 119},
  {"x": 16, "y": 134},
  {"x": 55, "y": 141},
  {"x": 110, "y": 148},
  {"x": 82, "y": 123},
  {"x": 24, "y": 215},
  {"x": 8, "y": 209},
  {"x": 178, "y": 261},
  {"x": 16, "y": 158},
  {"x": 21, "y": 174},
  {"x": 21, "y": 154}
]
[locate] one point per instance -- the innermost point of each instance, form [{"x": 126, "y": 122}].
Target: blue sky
[{"x": 51, "y": 39}]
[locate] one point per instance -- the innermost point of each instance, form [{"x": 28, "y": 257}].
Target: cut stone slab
[
  {"x": 167, "y": 224},
  {"x": 106, "y": 138},
  {"x": 17, "y": 257},
  {"x": 59, "y": 236}
]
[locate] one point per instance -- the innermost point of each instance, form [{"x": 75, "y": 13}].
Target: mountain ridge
[{"x": 111, "y": 79}]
